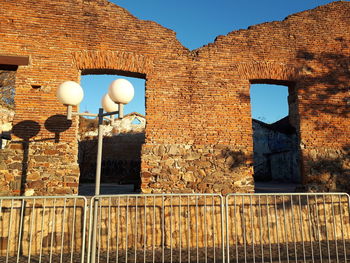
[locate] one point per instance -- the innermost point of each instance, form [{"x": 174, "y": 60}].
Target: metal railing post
[{"x": 97, "y": 185}]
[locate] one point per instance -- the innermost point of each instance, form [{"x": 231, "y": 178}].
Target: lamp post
[{"x": 120, "y": 92}]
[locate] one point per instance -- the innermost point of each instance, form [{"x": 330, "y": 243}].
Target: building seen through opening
[{"x": 275, "y": 138}]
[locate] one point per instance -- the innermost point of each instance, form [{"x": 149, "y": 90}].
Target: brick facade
[{"x": 199, "y": 129}]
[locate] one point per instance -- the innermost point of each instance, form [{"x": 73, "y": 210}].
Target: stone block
[
  {"x": 14, "y": 185},
  {"x": 15, "y": 166},
  {"x": 35, "y": 184}
]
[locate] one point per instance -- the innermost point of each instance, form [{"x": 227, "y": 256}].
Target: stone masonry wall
[
  {"x": 200, "y": 168},
  {"x": 197, "y": 102},
  {"x": 37, "y": 168}
]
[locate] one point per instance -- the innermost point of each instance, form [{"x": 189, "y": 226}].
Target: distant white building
[{"x": 131, "y": 123}]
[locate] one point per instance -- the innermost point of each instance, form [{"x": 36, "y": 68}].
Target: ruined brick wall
[
  {"x": 63, "y": 40},
  {"x": 310, "y": 52},
  {"x": 199, "y": 131}
]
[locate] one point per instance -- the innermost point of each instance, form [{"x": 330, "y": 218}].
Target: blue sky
[{"x": 197, "y": 23}]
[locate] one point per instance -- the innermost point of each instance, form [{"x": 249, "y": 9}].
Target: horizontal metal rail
[
  {"x": 287, "y": 227},
  {"x": 42, "y": 229}
]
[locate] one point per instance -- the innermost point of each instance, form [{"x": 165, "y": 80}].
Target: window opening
[
  {"x": 275, "y": 139},
  {"x": 7, "y": 104},
  {"x": 121, "y": 155}
]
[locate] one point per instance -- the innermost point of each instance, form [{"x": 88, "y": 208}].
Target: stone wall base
[
  {"x": 326, "y": 170},
  {"x": 175, "y": 168},
  {"x": 38, "y": 168}
]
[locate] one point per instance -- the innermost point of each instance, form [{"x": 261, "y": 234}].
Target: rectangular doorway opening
[
  {"x": 122, "y": 139},
  {"x": 275, "y": 136}
]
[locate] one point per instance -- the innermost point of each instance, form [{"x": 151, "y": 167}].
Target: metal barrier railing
[
  {"x": 287, "y": 227},
  {"x": 42, "y": 229},
  {"x": 160, "y": 228},
  {"x": 177, "y": 228}
]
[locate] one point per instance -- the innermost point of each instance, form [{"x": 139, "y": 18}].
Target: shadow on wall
[
  {"x": 328, "y": 173},
  {"x": 122, "y": 154},
  {"x": 25, "y": 130},
  {"x": 337, "y": 75},
  {"x": 57, "y": 124},
  {"x": 28, "y": 129}
]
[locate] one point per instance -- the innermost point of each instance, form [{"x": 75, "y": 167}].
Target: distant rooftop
[{"x": 283, "y": 125}]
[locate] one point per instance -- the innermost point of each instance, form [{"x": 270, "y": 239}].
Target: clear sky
[{"x": 197, "y": 23}]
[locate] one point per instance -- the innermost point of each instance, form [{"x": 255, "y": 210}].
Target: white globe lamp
[
  {"x": 108, "y": 104},
  {"x": 121, "y": 91},
  {"x": 70, "y": 93}
]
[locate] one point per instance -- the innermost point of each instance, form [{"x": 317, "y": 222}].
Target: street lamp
[
  {"x": 120, "y": 92},
  {"x": 71, "y": 94}
]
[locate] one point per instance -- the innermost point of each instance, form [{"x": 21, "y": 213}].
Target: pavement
[
  {"x": 275, "y": 187},
  {"x": 106, "y": 189}
]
